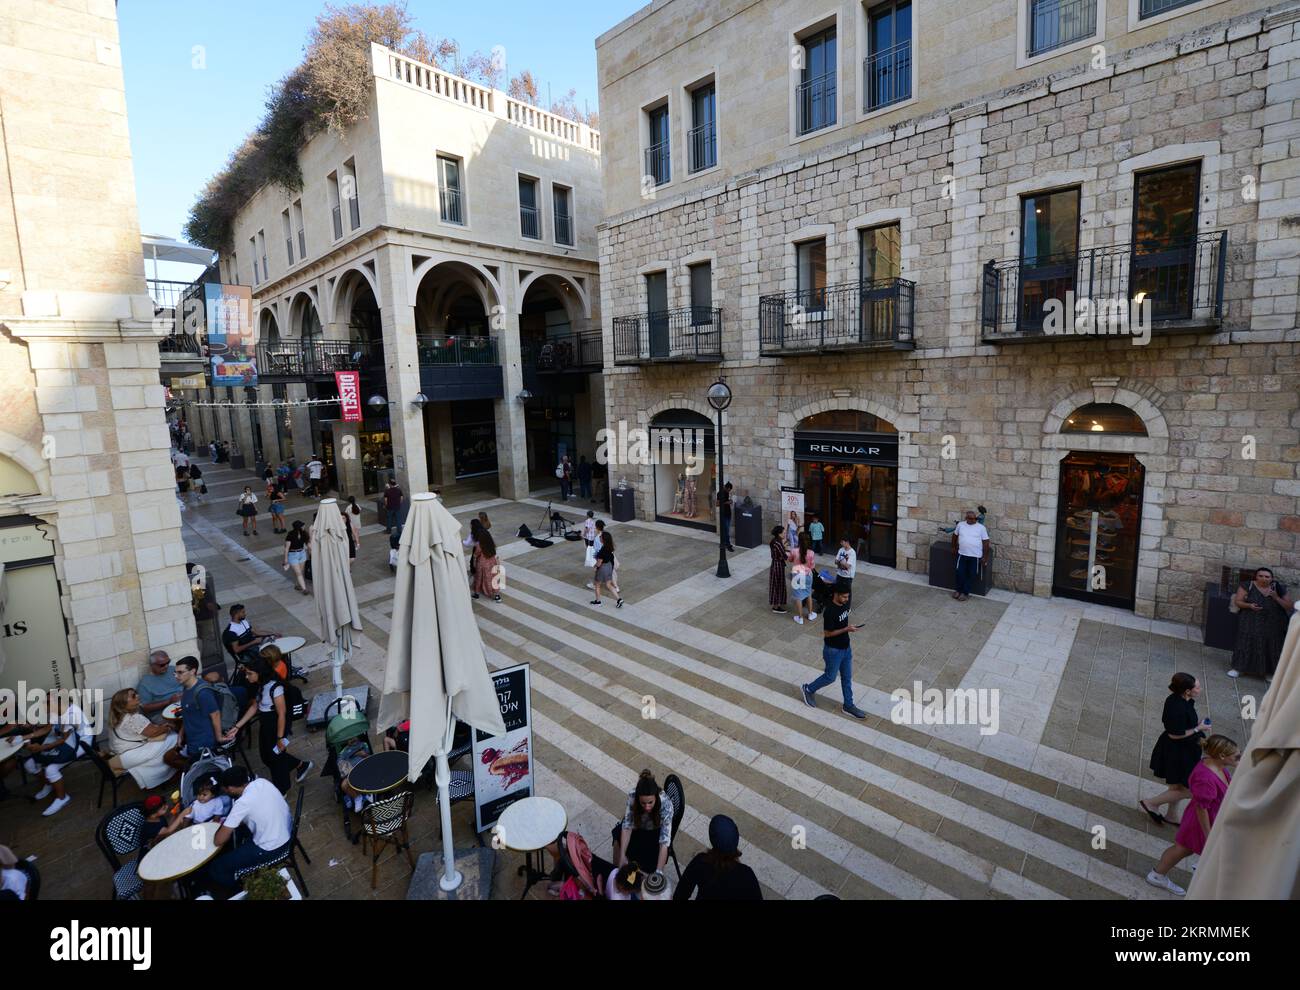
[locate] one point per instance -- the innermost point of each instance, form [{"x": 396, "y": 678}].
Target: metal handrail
[
  {"x": 297, "y": 358},
  {"x": 817, "y": 92},
  {"x": 575, "y": 351},
  {"x": 457, "y": 351},
  {"x": 703, "y": 143},
  {"x": 530, "y": 222},
  {"x": 658, "y": 162},
  {"x": 887, "y": 76},
  {"x": 1056, "y": 23},
  {"x": 857, "y": 314},
  {"x": 449, "y": 203},
  {"x": 691, "y": 333}
]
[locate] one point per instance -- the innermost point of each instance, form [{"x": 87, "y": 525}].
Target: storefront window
[
  {"x": 1098, "y": 527},
  {"x": 1105, "y": 417},
  {"x": 846, "y": 421},
  {"x": 684, "y": 494}
]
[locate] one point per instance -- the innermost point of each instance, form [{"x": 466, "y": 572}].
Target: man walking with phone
[{"x": 837, "y": 653}]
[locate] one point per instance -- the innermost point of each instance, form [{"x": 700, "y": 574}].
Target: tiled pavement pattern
[{"x": 688, "y": 680}]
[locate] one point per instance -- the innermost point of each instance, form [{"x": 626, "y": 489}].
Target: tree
[
  {"x": 567, "y": 106},
  {"x": 523, "y": 87},
  {"x": 488, "y": 68}
]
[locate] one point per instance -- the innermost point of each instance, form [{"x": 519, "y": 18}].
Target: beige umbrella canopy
[
  {"x": 437, "y": 671},
  {"x": 336, "y": 599},
  {"x": 1253, "y": 851}
]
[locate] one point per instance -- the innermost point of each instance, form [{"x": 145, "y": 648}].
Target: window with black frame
[
  {"x": 704, "y": 128},
  {"x": 811, "y": 275},
  {"x": 880, "y": 262},
  {"x": 888, "y": 70},
  {"x": 530, "y": 217},
  {"x": 816, "y": 93},
  {"x": 658, "y": 164},
  {"x": 1165, "y": 214},
  {"x": 701, "y": 294},
  {"x": 1054, "y": 24},
  {"x": 1049, "y": 253}
]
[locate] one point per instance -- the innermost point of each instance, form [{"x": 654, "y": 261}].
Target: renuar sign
[{"x": 846, "y": 448}]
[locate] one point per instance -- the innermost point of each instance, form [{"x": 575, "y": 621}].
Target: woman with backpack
[{"x": 270, "y": 705}]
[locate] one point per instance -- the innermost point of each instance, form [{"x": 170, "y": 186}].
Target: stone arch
[
  {"x": 345, "y": 289},
  {"x": 1152, "y": 452},
  {"x": 297, "y": 304},
  {"x": 584, "y": 300},
  {"x": 492, "y": 297},
  {"x": 28, "y": 457},
  {"x": 268, "y": 327}
]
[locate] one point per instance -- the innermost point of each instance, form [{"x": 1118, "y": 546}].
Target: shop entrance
[
  {"x": 1098, "y": 528},
  {"x": 847, "y": 463},
  {"x": 683, "y": 495}
]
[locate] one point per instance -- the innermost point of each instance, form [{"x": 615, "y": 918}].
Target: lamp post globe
[
  {"x": 375, "y": 401},
  {"x": 719, "y": 397}
]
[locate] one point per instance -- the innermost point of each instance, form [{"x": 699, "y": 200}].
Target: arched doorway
[
  {"x": 846, "y": 462},
  {"x": 366, "y": 348},
  {"x": 1099, "y": 509},
  {"x": 274, "y": 344},
  {"x": 558, "y": 417},
  {"x": 684, "y": 465},
  {"x": 453, "y": 315}
]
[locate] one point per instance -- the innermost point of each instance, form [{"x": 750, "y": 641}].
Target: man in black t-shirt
[
  {"x": 837, "y": 653},
  {"x": 724, "y": 513}
]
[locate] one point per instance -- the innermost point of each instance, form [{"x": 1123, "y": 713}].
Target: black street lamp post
[{"x": 719, "y": 396}]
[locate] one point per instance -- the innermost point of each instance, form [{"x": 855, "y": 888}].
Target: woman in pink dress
[
  {"x": 1208, "y": 783},
  {"x": 486, "y": 568}
]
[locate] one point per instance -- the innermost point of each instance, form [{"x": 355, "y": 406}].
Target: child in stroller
[{"x": 347, "y": 741}]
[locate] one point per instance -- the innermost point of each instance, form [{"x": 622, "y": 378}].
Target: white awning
[{"x": 159, "y": 248}]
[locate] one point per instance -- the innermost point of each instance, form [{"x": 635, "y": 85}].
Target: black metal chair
[
  {"x": 287, "y": 855},
  {"x": 384, "y": 822},
  {"x": 106, "y": 774},
  {"x": 677, "y": 795},
  {"x": 118, "y": 835},
  {"x": 33, "y": 879}
]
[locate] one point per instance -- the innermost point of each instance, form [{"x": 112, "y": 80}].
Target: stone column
[
  {"x": 512, "y": 438},
  {"x": 267, "y": 415},
  {"x": 347, "y": 458},
  {"x": 243, "y": 425},
  {"x": 437, "y": 425},
  {"x": 402, "y": 370},
  {"x": 300, "y": 425}
]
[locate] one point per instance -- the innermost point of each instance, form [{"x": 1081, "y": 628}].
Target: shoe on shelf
[
  {"x": 807, "y": 696},
  {"x": 306, "y": 769},
  {"x": 1156, "y": 880},
  {"x": 56, "y": 805},
  {"x": 855, "y": 711}
]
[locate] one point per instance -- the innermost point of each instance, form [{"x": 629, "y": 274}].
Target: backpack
[
  {"x": 226, "y": 700},
  {"x": 800, "y": 580},
  {"x": 559, "y": 471},
  {"x": 295, "y": 705}
]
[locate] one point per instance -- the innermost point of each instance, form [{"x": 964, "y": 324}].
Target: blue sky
[{"x": 185, "y": 121}]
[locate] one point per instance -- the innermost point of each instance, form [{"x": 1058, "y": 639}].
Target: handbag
[{"x": 589, "y": 558}]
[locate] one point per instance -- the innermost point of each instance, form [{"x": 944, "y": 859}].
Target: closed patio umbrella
[
  {"x": 336, "y": 600},
  {"x": 437, "y": 671},
  {"x": 1254, "y": 846}
]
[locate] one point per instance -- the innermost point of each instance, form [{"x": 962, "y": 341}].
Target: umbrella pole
[
  {"x": 341, "y": 651},
  {"x": 451, "y": 877}
]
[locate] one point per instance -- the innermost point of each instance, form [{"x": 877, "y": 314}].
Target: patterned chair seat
[{"x": 127, "y": 883}]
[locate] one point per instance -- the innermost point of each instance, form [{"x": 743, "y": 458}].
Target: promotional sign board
[
  {"x": 847, "y": 448},
  {"x": 231, "y": 345},
  {"x": 503, "y": 765},
  {"x": 188, "y": 381},
  {"x": 349, "y": 386},
  {"x": 791, "y": 501}
]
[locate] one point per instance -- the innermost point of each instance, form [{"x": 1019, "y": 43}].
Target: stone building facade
[
  {"x": 979, "y": 403},
  {"x": 411, "y": 232},
  {"x": 90, "y": 540}
]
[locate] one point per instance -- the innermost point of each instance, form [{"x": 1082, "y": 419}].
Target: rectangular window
[
  {"x": 815, "y": 96},
  {"x": 704, "y": 128},
  {"x": 302, "y": 233},
  {"x": 1056, "y": 23},
  {"x": 811, "y": 274},
  {"x": 657, "y": 158},
  {"x": 1151, "y": 8},
  {"x": 1165, "y": 218},
  {"x": 1049, "y": 252},
  {"x": 880, "y": 255},
  {"x": 350, "y": 193},
  {"x": 261, "y": 249},
  {"x": 336, "y": 209},
  {"x": 562, "y": 199},
  {"x": 530, "y": 217},
  {"x": 449, "y": 199},
  {"x": 887, "y": 77},
  {"x": 701, "y": 293},
  {"x": 288, "y": 236},
  {"x": 252, "y": 246}
]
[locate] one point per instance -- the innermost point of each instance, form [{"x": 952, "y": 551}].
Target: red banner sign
[{"x": 349, "y": 385}]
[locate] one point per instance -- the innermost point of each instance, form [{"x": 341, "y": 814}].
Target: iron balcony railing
[
  {"x": 462, "y": 351},
  {"x": 887, "y": 76},
  {"x": 563, "y": 229},
  {"x": 354, "y": 211},
  {"x": 1056, "y": 23},
  {"x": 1039, "y": 297},
  {"x": 658, "y": 162},
  {"x": 692, "y": 333},
  {"x": 179, "y": 343},
  {"x": 301, "y": 359},
  {"x": 302, "y": 244},
  {"x": 166, "y": 294},
  {"x": 578, "y": 351},
  {"x": 449, "y": 203},
  {"x": 530, "y": 222},
  {"x": 703, "y": 143},
  {"x": 815, "y": 99},
  {"x": 875, "y": 314}
]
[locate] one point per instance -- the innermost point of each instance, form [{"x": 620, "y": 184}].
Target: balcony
[
  {"x": 887, "y": 77},
  {"x": 1056, "y": 23},
  {"x": 530, "y": 222},
  {"x": 309, "y": 360},
  {"x": 1036, "y": 298},
  {"x": 460, "y": 367},
  {"x": 864, "y": 316},
  {"x": 672, "y": 336},
  {"x": 569, "y": 352},
  {"x": 703, "y": 144},
  {"x": 658, "y": 163},
  {"x": 564, "y": 229},
  {"x": 449, "y": 206},
  {"x": 815, "y": 101}
]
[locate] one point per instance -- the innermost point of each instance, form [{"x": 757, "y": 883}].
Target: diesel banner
[
  {"x": 847, "y": 448},
  {"x": 349, "y": 385}
]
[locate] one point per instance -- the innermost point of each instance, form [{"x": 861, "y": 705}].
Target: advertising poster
[
  {"x": 792, "y": 501},
  {"x": 349, "y": 386},
  {"x": 230, "y": 346},
  {"x": 503, "y": 765}
]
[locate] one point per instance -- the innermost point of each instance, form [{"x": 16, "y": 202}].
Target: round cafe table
[
  {"x": 10, "y": 746},
  {"x": 286, "y": 644},
  {"x": 180, "y": 854},
  {"x": 379, "y": 772},
  {"x": 529, "y": 826}
]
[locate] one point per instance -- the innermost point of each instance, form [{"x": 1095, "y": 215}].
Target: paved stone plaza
[{"x": 886, "y": 810}]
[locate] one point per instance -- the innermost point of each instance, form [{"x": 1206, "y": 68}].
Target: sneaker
[
  {"x": 1156, "y": 880},
  {"x": 590, "y": 586},
  {"x": 799, "y": 619},
  {"x": 56, "y": 805},
  {"x": 594, "y": 601},
  {"x": 474, "y": 595},
  {"x": 812, "y": 616},
  {"x": 306, "y": 769},
  {"x": 619, "y": 603},
  {"x": 855, "y": 711},
  {"x": 807, "y": 696},
  {"x": 43, "y": 793},
  {"x": 497, "y": 598},
  {"x": 1233, "y": 673}
]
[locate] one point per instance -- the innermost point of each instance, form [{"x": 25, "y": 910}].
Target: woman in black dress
[
  {"x": 1178, "y": 749},
  {"x": 776, "y": 573},
  {"x": 1264, "y": 611}
]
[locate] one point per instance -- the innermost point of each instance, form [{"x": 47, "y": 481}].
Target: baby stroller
[
  {"x": 347, "y": 741},
  {"x": 823, "y": 584},
  {"x": 207, "y": 763},
  {"x": 582, "y": 873}
]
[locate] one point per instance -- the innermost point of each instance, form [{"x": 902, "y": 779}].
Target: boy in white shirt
[
  {"x": 68, "y": 733},
  {"x": 589, "y": 528},
  {"x": 846, "y": 560}
]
